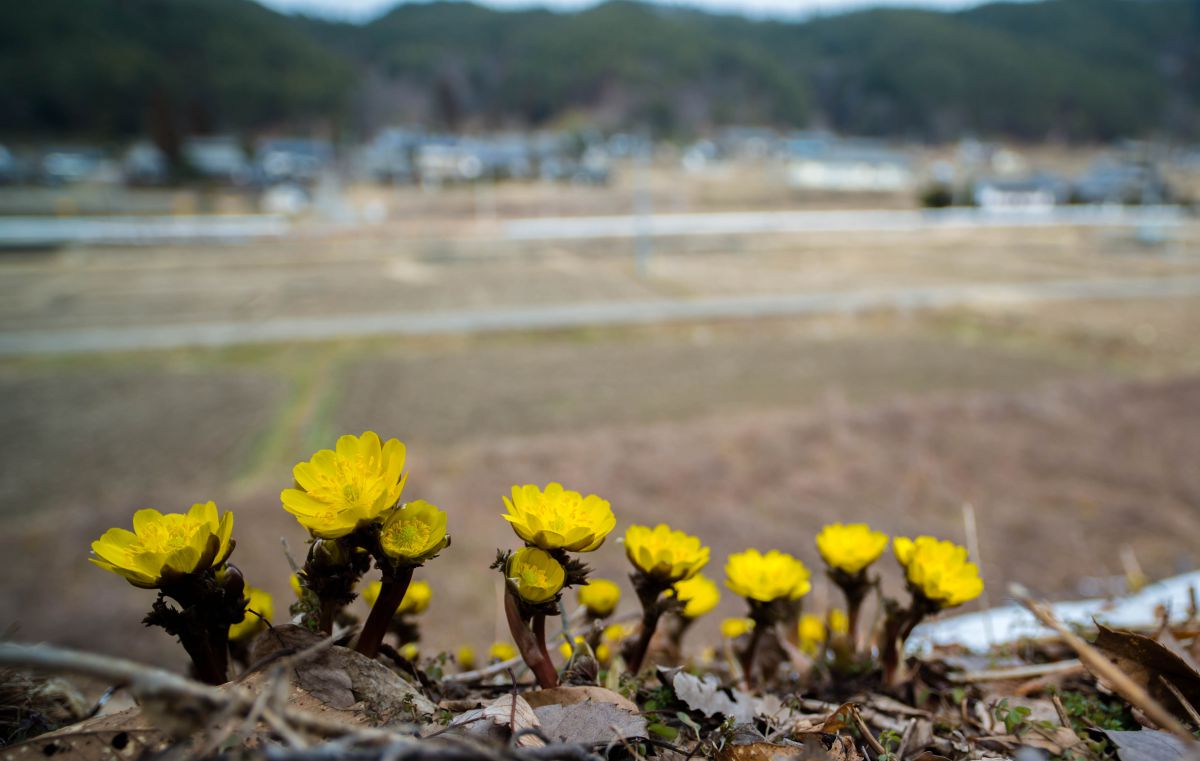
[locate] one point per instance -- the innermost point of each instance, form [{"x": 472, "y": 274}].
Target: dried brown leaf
[
  {"x": 709, "y": 698},
  {"x": 810, "y": 747},
  {"x": 500, "y": 719},
  {"x": 1148, "y": 663},
  {"x": 72, "y": 744},
  {"x": 590, "y": 722},
  {"x": 565, "y": 696},
  {"x": 1147, "y": 745}
]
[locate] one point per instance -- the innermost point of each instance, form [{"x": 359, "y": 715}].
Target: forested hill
[{"x": 1077, "y": 69}]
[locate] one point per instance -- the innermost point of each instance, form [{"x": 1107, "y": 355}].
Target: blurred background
[{"x": 746, "y": 267}]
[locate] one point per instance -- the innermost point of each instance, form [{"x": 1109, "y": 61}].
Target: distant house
[
  {"x": 1038, "y": 193},
  {"x": 293, "y": 160},
  {"x": 748, "y": 143},
  {"x": 217, "y": 158},
  {"x": 63, "y": 165},
  {"x": 389, "y": 156},
  {"x": 448, "y": 159},
  {"x": 144, "y": 164},
  {"x": 821, "y": 163},
  {"x": 1119, "y": 182}
]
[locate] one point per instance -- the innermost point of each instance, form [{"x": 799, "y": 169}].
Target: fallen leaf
[
  {"x": 85, "y": 742},
  {"x": 565, "y": 696},
  {"x": 810, "y": 747},
  {"x": 709, "y": 698},
  {"x": 590, "y": 722},
  {"x": 1146, "y": 745},
  {"x": 509, "y": 713},
  {"x": 1148, "y": 662}
]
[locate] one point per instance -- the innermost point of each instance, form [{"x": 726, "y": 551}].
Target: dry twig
[{"x": 1102, "y": 667}]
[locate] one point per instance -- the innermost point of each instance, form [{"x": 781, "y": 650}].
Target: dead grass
[{"x": 748, "y": 433}]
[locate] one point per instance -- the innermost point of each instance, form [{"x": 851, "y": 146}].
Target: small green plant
[
  {"x": 890, "y": 741},
  {"x": 1013, "y": 717},
  {"x": 1088, "y": 711}
]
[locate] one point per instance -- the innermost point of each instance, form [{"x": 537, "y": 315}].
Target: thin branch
[
  {"x": 1103, "y": 668},
  {"x": 1018, "y": 672},
  {"x": 147, "y": 681}
]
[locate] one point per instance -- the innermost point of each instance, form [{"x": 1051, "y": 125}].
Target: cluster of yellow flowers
[{"x": 349, "y": 500}]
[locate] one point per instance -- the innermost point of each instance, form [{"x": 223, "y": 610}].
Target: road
[
  {"x": 232, "y": 333},
  {"x": 857, "y": 220}
]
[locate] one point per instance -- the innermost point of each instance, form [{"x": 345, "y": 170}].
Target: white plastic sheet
[{"x": 979, "y": 632}]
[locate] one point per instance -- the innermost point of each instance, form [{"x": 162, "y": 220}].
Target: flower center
[
  {"x": 532, "y": 577},
  {"x": 159, "y": 538},
  {"x": 408, "y": 537}
]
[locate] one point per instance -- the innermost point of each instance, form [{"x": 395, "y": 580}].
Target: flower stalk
[
  {"x": 746, "y": 660},
  {"x": 208, "y": 607},
  {"x": 848, "y": 551},
  {"x": 939, "y": 577},
  {"x": 661, "y": 557},
  {"x": 530, "y": 645},
  {"x": 649, "y": 592},
  {"x": 391, "y": 594}
]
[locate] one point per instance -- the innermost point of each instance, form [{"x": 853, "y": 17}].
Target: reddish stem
[
  {"x": 391, "y": 594},
  {"x": 539, "y": 634},
  {"x": 747, "y": 658},
  {"x": 531, "y": 647}
]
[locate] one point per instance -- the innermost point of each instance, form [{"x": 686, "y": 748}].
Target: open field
[
  {"x": 1073, "y": 431},
  {"x": 1072, "y": 426}
]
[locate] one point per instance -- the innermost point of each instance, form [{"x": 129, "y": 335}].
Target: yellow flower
[
  {"x": 939, "y": 570},
  {"x": 839, "y": 622},
  {"x": 161, "y": 546},
  {"x": 766, "y": 578},
  {"x": 663, "y": 554},
  {"x": 260, "y": 603},
  {"x": 414, "y": 533},
  {"x": 732, "y": 628},
  {"x": 559, "y": 519},
  {"x": 600, "y": 597},
  {"x": 410, "y": 652},
  {"x": 603, "y": 653},
  {"x": 416, "y": 597},
  {"x": 565, "y": 650},
  {"x": 465, "y": 656},
  {"x": 850, "y": 547},
  {"x": 297, "y": 587},
  {"x": 615, "y": 632},
  {"x": 370, "y": 593},
  {"x": 812, "y": 633},
  {"x": 538, "y": 576},
  {"x": 340, "y": 489},
  {"x": 502, "y": 651},
  {"x": 698, "y": 594}
]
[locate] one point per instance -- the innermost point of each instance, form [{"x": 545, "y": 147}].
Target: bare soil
[{"x": 1069, "y": 444}]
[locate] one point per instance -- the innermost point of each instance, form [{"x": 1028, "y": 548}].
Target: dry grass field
[{"x": 1073, "y": 428}]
